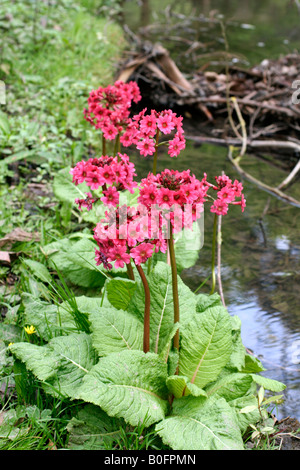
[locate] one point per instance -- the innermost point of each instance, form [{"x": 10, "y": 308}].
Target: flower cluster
[
  {"x": 113, "y": 174},
  {"x": 123, "y": 235},
  {"x": 109, "y": 107},
  {"x": 143, "y": 129},
  {"x": 228, "y": 191},
  {"x": 181, "y": 195}
]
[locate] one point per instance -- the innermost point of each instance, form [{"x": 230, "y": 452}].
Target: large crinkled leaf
[
  {"x": 162, "y": 309},
  {"x": 129, "y": 385},
  {"x": 245, "y": 419},
  {"x": 76, "y": 261},
  {"x": 268, "y": 384},
  {"x": 114, "y": 330},
  {"x": 39, "y": 270},
  {"x": 237, "y": 358},
  {"x": 9, "y": 333},
  {"x": 62, "y": 363},
  {"x": 42, "y": 361},
  {"x": 92, "y": 429},
  {"x": 198, "y": 423},
  {"x": 206, "y": 346},
  {"x": 88, "y": 304},
  {"x": 77, "y": 356},
  {"x": 231, "y": 386},
  {"x": 252, "y": 364},
  {"x": 204, "y": 301},
  {"x": 119, "y": 292}
]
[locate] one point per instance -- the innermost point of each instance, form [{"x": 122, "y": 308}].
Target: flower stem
[
  {"x": 130, "y": 272},
  {"x": 146, "y": 344},
  {"x": 213, "y": 251},
  {"x": 219, "y": 243},
  {"x": 117, "y": 145},
  {"x": 103, "y": 145},
  {"x": 155, "y": 154},
  {"x": 174, "y": 286}
]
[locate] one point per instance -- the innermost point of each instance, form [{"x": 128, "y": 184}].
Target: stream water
[{"x": 261, "y": 247}]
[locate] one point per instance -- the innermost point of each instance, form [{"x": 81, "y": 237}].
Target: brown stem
[
  {"x": 219, "y": 243},
  {"x": 103, "y": 145},
  {"x": 130, "y": 272},
  {"x": 175, "y": 286},
  {"x": 146, "y": 345},
  {"x": 155, "y": 153}
]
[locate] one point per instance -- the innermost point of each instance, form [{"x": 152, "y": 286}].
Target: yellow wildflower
[{"x": 30, "y": 330}]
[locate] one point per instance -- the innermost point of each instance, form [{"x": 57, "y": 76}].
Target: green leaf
[
  {"x": 205, "y": 301},
  {"x": 62, "y": 363},
  {"x": 77, "y": 357},
  {"x": 231, "y": 386},
  {"x": 92, "y": 429},
  {"x": 130, "y": 385},
  {"x": 39, "y": 270},
  {"x": 42, "y": 315},
  {"x": 119, "y": 292},
  {"x": 187, "y": 246},
  {"x": 114, "y": 330},
  {"x": 161, "y": 307},
  {"x": 244, "y": 418},
  {"x": 206, "y": 346},
  {"x": 41, "y": 361},
  {"x": 268, "y": 384},
  {"x": 76, "y": 262},
  {"x": 4, "y": 123},
  {"x": 51, "y": 319},
  {"x": 9, "y": 333},
  {"x": 237, "y": 358},
  {"x": 201, "y": 424},
  {"x": 65, "y": 190},
  {"x": 252, "y": 364},
  {"x": 179, "y": 386}
]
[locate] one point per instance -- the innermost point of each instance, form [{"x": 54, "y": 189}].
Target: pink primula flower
[
  {"x": 142, "y": 252},
  {"x": 119, "y": 255},
  {"x": 146, "y": 146},
  {"x": 110, "y": 196},
  {"x": 227, "y": 194},
  {"x": 165, "y": 123},
  {"x": 220, "y": 207}
]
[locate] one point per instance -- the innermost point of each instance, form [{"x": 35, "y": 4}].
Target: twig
[
  {"x": 243, "y": 126},
  {"x": 289, "y": 178},
  {"x": 260, "y": 184}
]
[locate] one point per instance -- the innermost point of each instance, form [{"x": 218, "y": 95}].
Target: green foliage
[
  {"x": 201, "y": 424},
  {"x": 209, "y": 404}
]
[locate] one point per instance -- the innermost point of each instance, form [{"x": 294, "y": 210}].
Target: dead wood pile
[{"x": 264, "y": 92}]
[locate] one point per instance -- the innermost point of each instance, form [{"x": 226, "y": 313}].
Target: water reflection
[{"x": 255, "y": 29}]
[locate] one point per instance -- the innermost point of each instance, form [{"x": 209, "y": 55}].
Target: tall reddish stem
[
  {"x": 175, "y": 286},
  {"x": 146, "y": 344}
]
